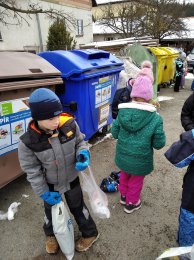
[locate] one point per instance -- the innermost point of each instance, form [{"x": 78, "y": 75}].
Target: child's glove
[
  {"x": 51, "y": 197},
  {"x": 83, "y": 160}
]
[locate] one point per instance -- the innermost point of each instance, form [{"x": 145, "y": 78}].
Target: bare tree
[
  {"x": 12, "y": 12},
  {"x": 163, "y": 18},
  {"x": 125, "y": 18},
  {"x": 156, "y": 18}
]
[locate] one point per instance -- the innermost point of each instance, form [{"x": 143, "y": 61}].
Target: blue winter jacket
[{"x": 181, "y": 153}]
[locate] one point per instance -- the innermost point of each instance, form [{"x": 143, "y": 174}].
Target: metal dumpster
[{"x": 20, "y": 74}]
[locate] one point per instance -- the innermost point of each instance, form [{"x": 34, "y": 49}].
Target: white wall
[{"x": 17, "y": 37}]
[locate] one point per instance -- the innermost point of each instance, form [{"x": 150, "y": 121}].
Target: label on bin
[
  {"x": 103, "y": 91},
  {"x": 104, "y": 112},
  {"x": 14, "y": 118}
]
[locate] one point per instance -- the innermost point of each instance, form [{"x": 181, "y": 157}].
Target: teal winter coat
[{"x": 139, "y": 129}]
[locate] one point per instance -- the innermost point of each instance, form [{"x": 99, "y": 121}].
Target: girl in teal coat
[{"x": 138, "y": 128}]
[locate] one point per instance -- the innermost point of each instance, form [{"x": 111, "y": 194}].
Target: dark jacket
[
  {"x": 179, "y": 67},
  {"x": 187, "y": 113},
  {"x": 122, "y": 95},
  {"x": 181, "y": 153},
  {"x": 50, "y": 159}
]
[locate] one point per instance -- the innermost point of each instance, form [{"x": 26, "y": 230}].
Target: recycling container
[
  {"x": 161, "y": 56},
  {"x": 20, "y": 74},
  {"x": 90, "y": 79},
  {"x": 138, "y": 54},
  {"x": 170, "y": 67}
]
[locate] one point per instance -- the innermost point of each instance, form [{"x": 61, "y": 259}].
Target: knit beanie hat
[
  {"x": 44, "y": 104},
  {"x": 142, "y": 87},
  {"x": 147, "y": 69}
]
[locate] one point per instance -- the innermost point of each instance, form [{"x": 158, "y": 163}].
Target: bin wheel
[
  {"x": 104, "y": 130},
  {"x": 171, "y": 81},
  {"x": 164, "y": 85}
]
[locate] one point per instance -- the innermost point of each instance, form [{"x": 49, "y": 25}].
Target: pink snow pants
[{"x": 130, "y": 186}]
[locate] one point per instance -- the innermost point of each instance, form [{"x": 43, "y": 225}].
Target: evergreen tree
[{"x": 59, "y": 38}]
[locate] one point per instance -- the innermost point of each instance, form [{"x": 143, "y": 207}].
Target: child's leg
[
  {"x": 123, "y": 180},
  {"x": 48, "y": 227},
  {"x": 75, "y": 202},
  {"x": 177, "y": 83},
  {"x": 186, "y": 217},
  {"x": 135, "y": 185},
  {"x": 186, "y": 228}
]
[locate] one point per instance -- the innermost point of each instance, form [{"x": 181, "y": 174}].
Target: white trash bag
[
  {"x": 63, "y": 229},
  {"x": 186, "y": 253},
  {"x": 97, "y": 198}
]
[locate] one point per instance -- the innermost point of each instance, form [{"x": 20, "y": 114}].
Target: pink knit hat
[
  {"x": 146, "y": 69},
  {"x": 142, "y": 87}
]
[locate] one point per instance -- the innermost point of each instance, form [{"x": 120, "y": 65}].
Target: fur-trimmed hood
[
  {"x": 133, "y": 116},
  {"x": 138, "y": 105}
]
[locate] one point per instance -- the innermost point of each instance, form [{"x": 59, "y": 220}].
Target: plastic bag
[
  {"x": 63, "y": 229},
  {"x": 13, "y": 208},
  {"x": 97, "y": 198},
  {"x": 182, "y": 253}
]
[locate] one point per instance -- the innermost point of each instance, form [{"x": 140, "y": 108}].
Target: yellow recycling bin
[
  {"x": 170, "y": 68},
  {"x": 161, "y": 56}
]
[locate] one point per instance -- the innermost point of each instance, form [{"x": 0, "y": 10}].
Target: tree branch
[{"x": 10, "y": 9}]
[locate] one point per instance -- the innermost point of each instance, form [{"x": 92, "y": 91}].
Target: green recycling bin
[{"x": 138, "y": 54}]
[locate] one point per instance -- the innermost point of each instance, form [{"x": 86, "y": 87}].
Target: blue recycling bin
[{"x": 90, "y": 80}]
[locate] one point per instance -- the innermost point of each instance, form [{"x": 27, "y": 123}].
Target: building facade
[{"x": 31, "y": 35}]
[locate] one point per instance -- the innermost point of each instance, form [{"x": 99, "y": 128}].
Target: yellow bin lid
[
  {"x": 171, "y": 51},
  {"x": 157, "y": 51}
]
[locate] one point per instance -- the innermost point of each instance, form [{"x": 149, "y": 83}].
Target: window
[
  {"x": 80, "y": 29},
  {"x": 108, "y": 38},
  {"x": 1, "y": 39}
]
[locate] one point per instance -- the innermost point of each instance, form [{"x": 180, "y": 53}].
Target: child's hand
[
  {"x": 83, "y": 160},
  {"x": 51, "y": 198}
]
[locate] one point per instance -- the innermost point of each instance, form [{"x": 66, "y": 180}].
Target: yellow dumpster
[
  {"x": 161, "y": 56},
  {"x": 170, "y": 68}
]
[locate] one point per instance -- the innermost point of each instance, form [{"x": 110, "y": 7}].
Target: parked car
[{"x": 190, "y": 61}]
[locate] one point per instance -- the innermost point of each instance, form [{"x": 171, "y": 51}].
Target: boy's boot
[
  {"x": 52, "y": 245},
  {"x": 83, "y": 244}
]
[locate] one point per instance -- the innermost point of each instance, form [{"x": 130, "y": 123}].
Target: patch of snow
[
  {"x": 189, "y": 76},
  {"x": 164, "y": 98},
  {"x": 107, "y": 136},
  {"x": 25, "y": 195}
]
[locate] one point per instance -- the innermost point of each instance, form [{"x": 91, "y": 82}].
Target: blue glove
[
  {"x": 51, "y": 197},
  {"x": 83, "y": 160}
]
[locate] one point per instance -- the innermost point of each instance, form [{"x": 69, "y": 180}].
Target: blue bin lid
[{"x": 76, "y": 62}]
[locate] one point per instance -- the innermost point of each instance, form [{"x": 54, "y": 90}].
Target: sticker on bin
[
  {"x": 103, "y": 91},
  {"x": 104, "y": 112},
  {"x": 14, "y": 118}
]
